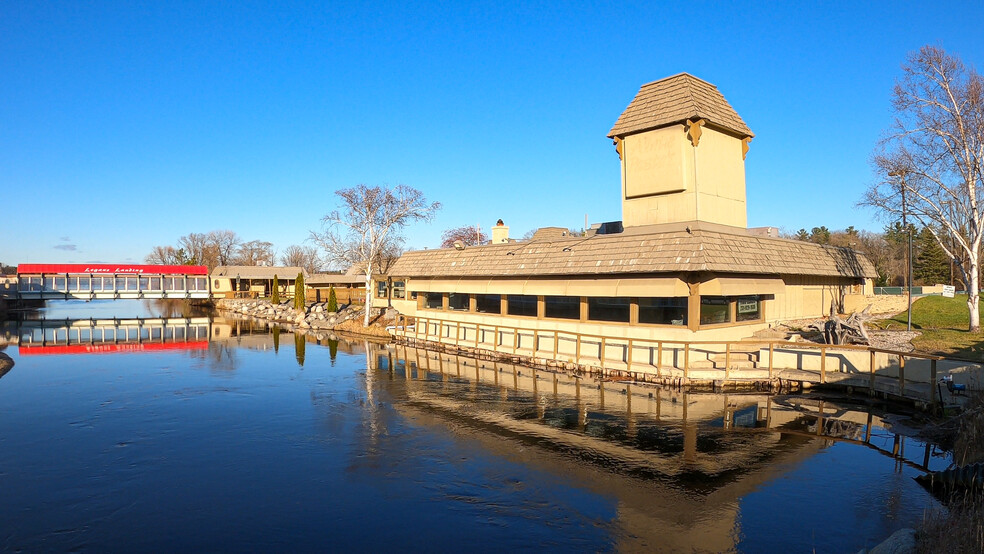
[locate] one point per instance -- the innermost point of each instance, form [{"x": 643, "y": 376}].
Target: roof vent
[{"x": 610, "y": 228}]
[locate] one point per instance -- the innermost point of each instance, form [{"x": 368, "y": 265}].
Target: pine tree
[
  {"x": 299, "y": 292},
  {"x": 332, "y": 300},
  {"x": 276, "y": 290},
  {"x": 931, "y": 265}
]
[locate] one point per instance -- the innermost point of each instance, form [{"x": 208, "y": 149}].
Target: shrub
[
  {"x": 276, "y": 291},
  {"x": 299, "y": 292}
]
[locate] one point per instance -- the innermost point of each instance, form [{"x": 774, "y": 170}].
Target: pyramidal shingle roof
[
  {"x": 676, "y": 99},
  {"x": 638, "y": 252}
]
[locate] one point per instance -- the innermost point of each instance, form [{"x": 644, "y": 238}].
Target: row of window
[
  {"x": 105, "y": 334},
  {"x": 660, "y": 311},
  {"x": 399, "y": 289},
  {"x": 110, "y": 284}
]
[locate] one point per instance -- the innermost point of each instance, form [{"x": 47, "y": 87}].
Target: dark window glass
[
  {"x": 663, "y": 311},
  {"x": 434, "y": 300},
  {"x": 144, "y": 283},
  {"x": 381, "y": 289},
  {"x": 748, "y": 308},
  {"x": 565, "y": 307},
  {"x": 399, "y": 289},
  {"x": 521, "y": 304},
  {"x": 488, "y": 303},
  {"x": 457, "y": 301},
  {"x": 608, "y": 309},
  {"x": 714, "y": 309}
]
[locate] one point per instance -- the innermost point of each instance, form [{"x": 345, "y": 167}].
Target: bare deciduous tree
[
  {"x": 302, "y": 256},
  {"x": 226, "y": 243},
  {"x": 933, "y": 162},
  {"x": 166, "y": 255},
  {"x": 469, "y": 235},
  {"x": 368, "y": 227},
  {"x": 199, "y": 249},
  {"x": 255, "y": 252}
]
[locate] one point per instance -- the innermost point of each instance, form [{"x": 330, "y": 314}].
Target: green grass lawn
[{"x": 943, "y": 323}]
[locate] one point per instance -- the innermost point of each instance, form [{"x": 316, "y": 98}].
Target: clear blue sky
[{"x": 127, "y": 125}]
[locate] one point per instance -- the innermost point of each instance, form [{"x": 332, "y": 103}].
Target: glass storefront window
[
  {"x": 563, "y": 307},
  {"x": 434, "y": 300},
  {"x": 748, "y": 308},
  {"x": 608, "y": 309},
  {"x": 663, "y": 311},
  {"x": 714, "y": 310},
  {"x": 488, "y": 303},
  {"x": 458, "y": 301},
  {"x": 521, "y": 304}
]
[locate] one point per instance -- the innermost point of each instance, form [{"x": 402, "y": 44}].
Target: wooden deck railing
[{"x": 595, "y": 349}]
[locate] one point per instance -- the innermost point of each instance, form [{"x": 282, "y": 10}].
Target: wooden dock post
[
  {"x": 871, "y": 370},
  {"x": 823, "y": 364},
  {"x": 772, "y": 347},
  {"x": 686, "y": 360},
  {"x": 932, "y": 384},
  {"x": 901, "y": 375}
]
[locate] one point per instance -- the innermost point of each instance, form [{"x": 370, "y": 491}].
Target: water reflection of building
[
  {"x": 677, "y": 463},
  {"x": 81, "y": 336}
]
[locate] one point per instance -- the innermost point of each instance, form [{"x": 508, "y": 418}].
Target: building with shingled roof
[{"x": 680, "y": 266}]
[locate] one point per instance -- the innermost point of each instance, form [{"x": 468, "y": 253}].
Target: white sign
[
  {"x": 948, "y": 291},
  {"x": 747, "y": 306}
]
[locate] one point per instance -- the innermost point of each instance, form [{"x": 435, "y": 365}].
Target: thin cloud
[{"x": 68, "y": 247}]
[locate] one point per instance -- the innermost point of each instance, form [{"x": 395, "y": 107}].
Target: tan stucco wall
[
  {"x": 798, "y": 298},
  {"x": 665, "y": 179}
]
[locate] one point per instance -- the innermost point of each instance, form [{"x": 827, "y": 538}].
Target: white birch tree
[
  {"x": 931, "y": 164},
  {"x": 368, "y": 227}
]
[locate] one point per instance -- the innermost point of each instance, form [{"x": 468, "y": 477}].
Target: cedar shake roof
[
  {"x": 639, "y": 252},
  {"x": 674, "y": 100}
]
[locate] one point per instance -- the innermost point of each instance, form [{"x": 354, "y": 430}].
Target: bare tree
[
  {"x": 469, "y": 235},
  {"x": 225, "y": 243},
  {"x": 200, "y": 249},
  {"x": 369, "y": 225},
  {"x": 932, "y": 163},
  {"x": 302, "y": 256},
  {"x": 255, "y": 252},
  {"x": 166, "y": 255}
]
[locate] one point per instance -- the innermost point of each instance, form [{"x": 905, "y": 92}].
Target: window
[
  {"x": 564, "y": 307},
  {"x": 521, "y": 304},
  {"x": 608, "y": 309},
  {"x": 83, "y": 283},
  {"x": 144, "y": 283},
  {"x": 748, "y": 308},
  {"x": 60, "y": 283},
  {"x": 434, "y": 300},
  {"x": 120, "y": 283},
  {"x": 663, "y": 311},
  {"x": 488, "y": 303},
  {"x": 399, "y": 289},
  {"x": 131, "y": 283},
  {"x": 714, "y": 309},
  {"x": 458, "y": 301},
  {"x": 380, "y": 289},
  {"x": 49, "y": 283},
  {"x": 73, "y": 283}
]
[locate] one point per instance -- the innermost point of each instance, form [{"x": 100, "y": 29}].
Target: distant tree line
[
  {"x": 886, "y": 250},
  {"x": 224, "y": 247}
]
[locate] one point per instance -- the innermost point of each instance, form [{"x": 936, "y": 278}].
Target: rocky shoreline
[{"x": 314, "y": 317}]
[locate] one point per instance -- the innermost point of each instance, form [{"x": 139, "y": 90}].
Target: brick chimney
[{"x": 500, "y": 233}]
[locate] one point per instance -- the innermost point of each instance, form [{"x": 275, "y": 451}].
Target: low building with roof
[
  {"x": 230, "y": 281},
  {"x": 681, "y": 265}
]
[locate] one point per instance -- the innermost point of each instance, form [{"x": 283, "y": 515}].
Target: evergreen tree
[
  {"x": 276, "y": 290},
  {"x": 299, "y": 348},
  {"x": 332, "y": 300},
  {"x": 931, "y": 265},
  {"x": 276, "y": 340},
  {"x": 299, "y": 292},
  {"x": 333, "y": 350},
  {"x": 820, "y": 235},
  {"x": 802, "y": 235}
]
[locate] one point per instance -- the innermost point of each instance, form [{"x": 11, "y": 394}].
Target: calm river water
[{"x": 238, "y": 438}]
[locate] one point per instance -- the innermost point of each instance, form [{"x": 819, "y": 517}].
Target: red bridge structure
[{"x": 108, "y": 281}]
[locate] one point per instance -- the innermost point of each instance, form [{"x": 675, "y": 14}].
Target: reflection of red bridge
[
  {"x": 101, "y": 336},
  {"x": 108, "y": 281}
]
